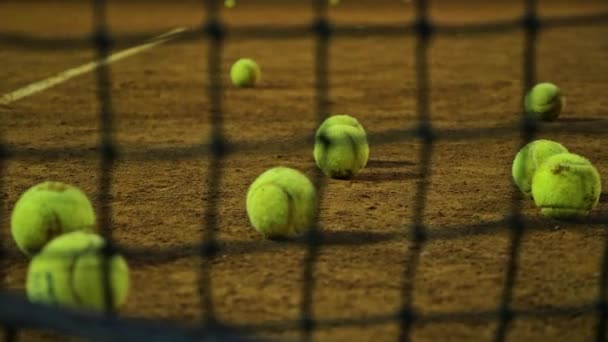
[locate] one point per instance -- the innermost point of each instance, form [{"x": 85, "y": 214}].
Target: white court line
[{"x": 83, "y": 69}]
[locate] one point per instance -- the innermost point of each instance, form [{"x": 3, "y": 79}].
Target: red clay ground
[{"x": 160, "y": 101}]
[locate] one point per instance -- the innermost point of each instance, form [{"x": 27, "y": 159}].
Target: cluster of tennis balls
[
  {"x": 53, "y": 223},
  {"x": 563, "y": 185},
  {"x": 282, "y": 202}
]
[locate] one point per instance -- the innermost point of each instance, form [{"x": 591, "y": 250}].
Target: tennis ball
[
  {"x": 281, "y": 203},
  {"x": 566, "y": 185},
  {"x": 68, "y": 272},
  {"x": 334, "y": 2},
  {"x": 341, "y": 148},
  {"x": 543, "y": 102},
  {"x": 245, "y": 73},
  {"x": 529, "y": 158},
  {"x": 230, "y": 3},
  {"x": 49, "y": 209}
]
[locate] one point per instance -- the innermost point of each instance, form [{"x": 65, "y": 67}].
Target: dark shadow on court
[
  {"x": 138, "y": 256},
  {"x": 505, "y": 225},
  {"x": 271, "y": 86},
  {"x": 578, "y": 120},
  {"x": 376, "y": 163},
  {"x": 463, "y": 231},
  {"x": 367, "y": 176},
  {"x": 347, "y": 238}
]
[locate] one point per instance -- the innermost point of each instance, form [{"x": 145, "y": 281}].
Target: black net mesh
[{"x": 17, "y": 314}]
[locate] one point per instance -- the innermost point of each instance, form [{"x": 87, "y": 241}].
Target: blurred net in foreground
[{"x": 17, "y": 314}]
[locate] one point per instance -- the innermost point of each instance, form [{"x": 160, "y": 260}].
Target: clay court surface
[{"x": 160, "y": 100}]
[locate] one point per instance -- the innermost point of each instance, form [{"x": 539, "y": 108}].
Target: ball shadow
[
  {"x": 367, "y": 176},
  {"x": 578, "y": 120},
  {"x": 376, "y": 163},
  {"x": 345, "y": 238},
  {"x": 507, "y": 225},
  {"x": 226, "y": 248},
  {"x": 322, "y": 238}
]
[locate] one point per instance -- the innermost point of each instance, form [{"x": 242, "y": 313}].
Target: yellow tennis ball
[
  {"x": 281, "y": 203},
  {"x": 566, "y": 185},
  {"x": 529, "y": 158},
  {"x": 334, "y": 2},
  {"x": 341, "y": 148},
  {"x": 543, "y": 102},
  {"x": 230, "y": 3},
  {"x": 245, "y": 73},
  {"x": 68, "y": 272},
  {"x": 47, "y": 210}
]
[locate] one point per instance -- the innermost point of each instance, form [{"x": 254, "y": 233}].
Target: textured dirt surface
[{"x": 160, "y": 101}]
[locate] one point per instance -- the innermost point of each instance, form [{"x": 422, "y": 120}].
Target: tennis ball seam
[
  {"x": 290, "y": 208},
  {"x": 580, "y": 165},
  {"x": 50, "y": 287},
  {"x": 324, "y": 141},
  {"x": 55, "y": 228},
  {"x": 547, "y": 105},
  {"x": 72, "y": 270},
  {"x": 290, "y": 204},
  {"x": 534, "y": 157},
  {"x": 354, "y": 150}
]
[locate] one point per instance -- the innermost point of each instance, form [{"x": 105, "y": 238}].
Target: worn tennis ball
[
  {"x": 69, "y": 272},
  {"x": 529, "y": 158},
  {"x": 566, "y": 185},
  {"x": 245, "y": 73},
  {"x": 281, "y": 203},
  {"x": 341, "y": 149},
  {"x": 334, "y": 2},
  {"x": 47, "y": 210},
  {"x": 230, "y": 3},
  {"x": 543, "y": 102}
]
